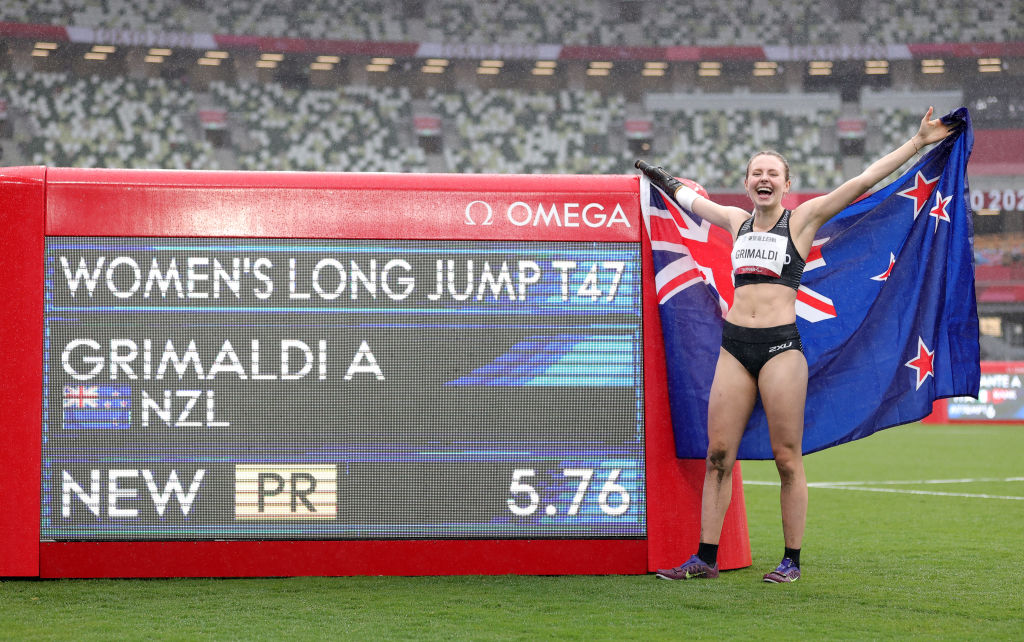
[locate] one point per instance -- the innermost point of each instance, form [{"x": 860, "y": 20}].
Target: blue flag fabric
[{"x": 886, "y": 309}]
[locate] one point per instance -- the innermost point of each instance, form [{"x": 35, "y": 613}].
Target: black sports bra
[{"x": 766, "y": 257}]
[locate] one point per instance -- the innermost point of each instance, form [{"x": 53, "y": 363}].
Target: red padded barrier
[
  {"x": 391, "y": 557},
  {"x": 674, "y": 485},
  {"x": 21, "y": 367}
]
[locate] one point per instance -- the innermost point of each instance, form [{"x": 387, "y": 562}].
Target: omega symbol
[{"x": 469, "y": 216}]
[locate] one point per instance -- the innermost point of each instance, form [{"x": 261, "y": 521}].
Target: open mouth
[{"x": 764, "y": 191}]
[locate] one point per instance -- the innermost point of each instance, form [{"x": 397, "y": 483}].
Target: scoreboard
[
  {"x": 288, "y": 373},
  {"x": 253, "y": 389}
]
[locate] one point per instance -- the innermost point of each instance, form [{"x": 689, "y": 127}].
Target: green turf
[{"x": 876, "y": 565}]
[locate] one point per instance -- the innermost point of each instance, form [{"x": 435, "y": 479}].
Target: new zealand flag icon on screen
[{"x": 97, "y": 407}]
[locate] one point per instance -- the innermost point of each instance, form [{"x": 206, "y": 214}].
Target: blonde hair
[{"x": 767, "y": 152}]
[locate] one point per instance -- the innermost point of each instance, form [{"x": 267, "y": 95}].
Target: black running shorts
[{"x": 753, "y": 347}]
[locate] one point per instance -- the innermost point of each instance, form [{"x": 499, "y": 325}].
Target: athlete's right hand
[{"x": 662, "y": 179}]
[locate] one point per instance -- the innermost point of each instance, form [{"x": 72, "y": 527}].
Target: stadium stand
[
  {"x": 531, "y": 21},
  {"x": 346, "y": 129},
  {"x": 368, "y": 125},
  {"x": 886, "y": 22},
  {"x": 732, "y": 22},
  {"x": 710, "y": 137},
  {"x": 889, "y": 126},
  {"x": 380, "y": 20},
  {"x": 343, "y": 19},
  {"x": 702, "y": 22},
  {"x": 97, "y": 122},
  {"x": 111, "y": 14},
  {"x": 508, "y": 131},
  {"x": 706, "y": 143},
  {"x": 273, "y": 126}
]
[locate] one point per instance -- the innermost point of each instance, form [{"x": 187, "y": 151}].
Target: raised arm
[
  {"x": 811, "y": 215},
  {"x": 723, "y": 216}
]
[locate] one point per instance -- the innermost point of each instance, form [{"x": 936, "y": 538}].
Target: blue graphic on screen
[
  {"x": 567, "y": 360},
  {"x": 284, "y": 389}
]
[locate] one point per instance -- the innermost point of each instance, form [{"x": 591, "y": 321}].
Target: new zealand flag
[
  {"x": 97, "y": 407},
  {"x": 886, "y": 309}
]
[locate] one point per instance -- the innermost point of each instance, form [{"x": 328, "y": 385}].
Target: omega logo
[
  {"x": 483, "y": 208},
  {"x": 523, "y": 214}
]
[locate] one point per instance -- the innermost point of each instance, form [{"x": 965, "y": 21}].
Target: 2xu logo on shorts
[
  {"x": 781, "y": 346},
  {"x": 301, "y": 491}
]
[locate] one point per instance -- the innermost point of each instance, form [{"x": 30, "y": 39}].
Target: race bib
[{"x": 759, "y": 253}]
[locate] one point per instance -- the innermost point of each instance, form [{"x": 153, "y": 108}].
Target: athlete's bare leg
[
  {"x": 783, "y": 386},
  {"x": 733, "y": 392}
]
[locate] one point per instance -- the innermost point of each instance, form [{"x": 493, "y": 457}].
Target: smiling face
[{"x": 767, "y": 179}]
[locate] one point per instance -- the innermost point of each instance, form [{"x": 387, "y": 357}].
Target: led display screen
[
  {"x": 1000, "y": 396},
  {"x": 238, "y": 389}
]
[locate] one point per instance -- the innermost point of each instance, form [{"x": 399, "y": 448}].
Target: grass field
[{"x": 881, "y": 559}]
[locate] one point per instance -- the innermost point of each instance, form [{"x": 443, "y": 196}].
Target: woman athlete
[{"x": 761, "y": 350}]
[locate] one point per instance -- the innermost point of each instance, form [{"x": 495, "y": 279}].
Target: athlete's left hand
[{"x": 931, "y": 131}]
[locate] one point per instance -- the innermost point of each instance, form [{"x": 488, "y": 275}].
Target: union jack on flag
[
  {"x": 886, "y": 309},
  {"x": 81, "y": 396}
]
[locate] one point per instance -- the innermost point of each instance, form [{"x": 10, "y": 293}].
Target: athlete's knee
[
  {"x": 720, "y": 461},
  {"x": 789, "y": 462}
]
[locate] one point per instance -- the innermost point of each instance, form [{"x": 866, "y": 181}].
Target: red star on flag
[
  {"x": 885, "y": 275},
  {"x": 920, "y": 192},
  {"x": 939, "y": 211},
  {"x": 922, "y": 363}
]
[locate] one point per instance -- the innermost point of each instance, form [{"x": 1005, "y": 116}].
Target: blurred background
[{"x": 532, "y": 86}]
